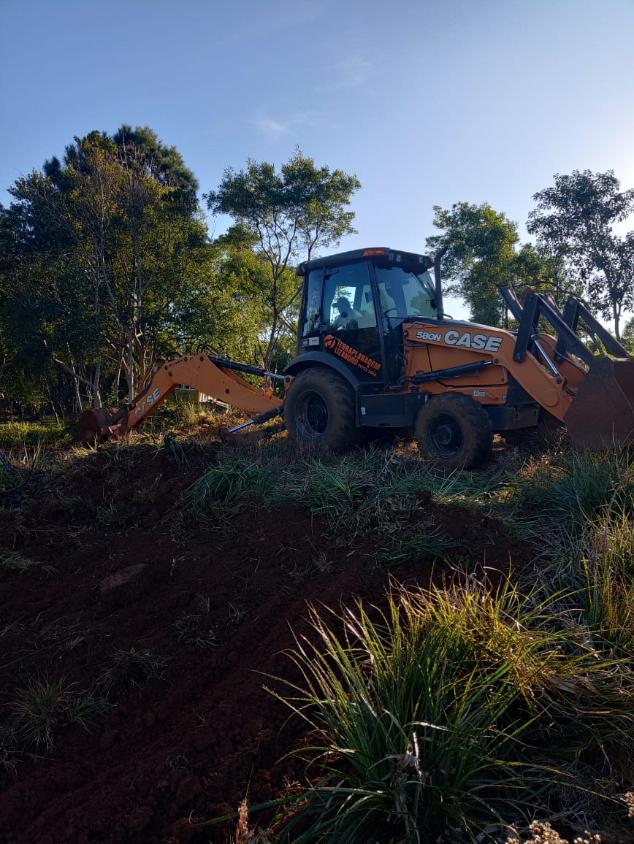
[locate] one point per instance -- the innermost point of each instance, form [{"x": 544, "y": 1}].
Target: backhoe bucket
[
  {"x": 99, "y": 422},
  {"x": 602, "y": 413}
]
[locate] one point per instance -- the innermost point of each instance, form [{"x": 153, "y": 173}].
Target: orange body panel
[{"x": 430, "y": 346}]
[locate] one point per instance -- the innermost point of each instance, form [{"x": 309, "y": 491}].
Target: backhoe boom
[{"x": 214, "y": 377}]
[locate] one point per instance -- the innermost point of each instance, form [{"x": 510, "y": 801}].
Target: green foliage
[
  {"x": 482, "y": 255},
  {"x": 578, "y": 485},
  {"x": 107, "y": 243},
  {"x": 574, "y": 220},
  {"x": 426, "y": 716},
  {"x": 287, "y": 214},
  {"x": 132, "y": 667},
  {"x": 16, "y": 434},
  {"x": 607, "y": 552},
  {"x": 627, "y": 337},
  {"x": 419, "y": 546},
  {"x": 12, "y": 561},
  {"x": 220, "y": 490},
  {"x": 42, "y": 708}
]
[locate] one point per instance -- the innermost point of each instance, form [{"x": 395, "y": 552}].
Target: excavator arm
[{"x": 215, "y": 377}]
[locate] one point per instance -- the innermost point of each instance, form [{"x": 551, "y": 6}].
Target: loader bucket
[{"x": 602, "y": 413}]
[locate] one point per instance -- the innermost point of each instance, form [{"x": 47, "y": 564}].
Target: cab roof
[{"x": 382, "y": 253}]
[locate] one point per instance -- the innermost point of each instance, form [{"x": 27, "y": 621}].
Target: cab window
[
  {"x": 313, "y": 302},
  {"x": 348, "y": 302},
  {"x": 404, "y": 293}
]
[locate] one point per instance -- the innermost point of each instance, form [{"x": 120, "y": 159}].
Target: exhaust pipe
[{"x": 438, "y": 280}]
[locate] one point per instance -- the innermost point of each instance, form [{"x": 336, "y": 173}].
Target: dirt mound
[{"x": 121, "y": 567}]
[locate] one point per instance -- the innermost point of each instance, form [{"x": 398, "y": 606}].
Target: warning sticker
[{"x": 351, "y": 355}]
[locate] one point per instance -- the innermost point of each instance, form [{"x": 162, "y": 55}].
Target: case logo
[{"x": 464, "y": 339}]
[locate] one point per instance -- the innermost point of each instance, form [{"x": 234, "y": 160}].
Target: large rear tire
[
  {"x": 455, "y": 431},
  {"x": 319, "y": 411}
]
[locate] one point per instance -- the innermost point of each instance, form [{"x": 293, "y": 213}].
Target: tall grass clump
[
  {"x": 42, "y": 708},
  {"x": 607, "y": 556},
  {"x": 223, "y": 487},
  {"x": 434, "y": 717},
  {"x": 578, "y": 485}
]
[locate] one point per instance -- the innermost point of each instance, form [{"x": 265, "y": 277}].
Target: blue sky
[{"x": 427, "y": 102}]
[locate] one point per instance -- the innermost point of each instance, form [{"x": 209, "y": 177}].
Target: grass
[
  {"x": 42, "y": 708},
  {"x": 453, "y": 707},
  {"x": 226, "y": 486},
  {"x": 12, "y": 561},
  {"x": 428, "y": 545},
  {"x": 577, "y": 486},
  {"x": 132, "y": 667},
  {"x": 437, "y": 716},
  {"x": 196, "y": 628},
  {"x": 607, "y": 554},
  {"x": 18, "y": 434}
]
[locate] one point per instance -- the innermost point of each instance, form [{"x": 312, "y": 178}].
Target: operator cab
[{"x": 354, "y": 303}]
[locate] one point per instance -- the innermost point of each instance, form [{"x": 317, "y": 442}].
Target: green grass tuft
[
  {"x": 431, "y": 719},
  {"x": 42, "y": 708},
  {"x": 132, "y": 667},
  {"x": 224, "y": 487}
]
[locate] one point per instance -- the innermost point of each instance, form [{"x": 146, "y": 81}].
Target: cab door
[{"x": 349, "y": 326}]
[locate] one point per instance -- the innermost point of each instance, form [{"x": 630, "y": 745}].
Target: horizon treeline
[{"x": 107, "y": 264}]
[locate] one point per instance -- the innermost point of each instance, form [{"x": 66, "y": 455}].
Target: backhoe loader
[{"x": 376, "y": 353}]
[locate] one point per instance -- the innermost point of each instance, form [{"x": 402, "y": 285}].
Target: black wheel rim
[
  {"x": 312, "y": 415},
  {"x": 446, "y": 434}
]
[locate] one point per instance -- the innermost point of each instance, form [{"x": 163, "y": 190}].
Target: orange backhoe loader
[{"x": 376, "y": 352}]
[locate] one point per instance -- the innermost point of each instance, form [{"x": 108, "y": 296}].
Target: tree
[
  {"x": 627, "y": 338},
  {"x": 290, "y": 214},
  {"x": 480, "y": 253},
  {"x": 574, "y": 220},
  {"x": 104, "y": 242}
]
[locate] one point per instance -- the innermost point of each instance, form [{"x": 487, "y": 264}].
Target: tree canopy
[
  {"x": 483, "y": 254},
  {"x": 289, "y": 214},
  {"x": 575, "y": 220},
  {"x": 106, "y": 266}
]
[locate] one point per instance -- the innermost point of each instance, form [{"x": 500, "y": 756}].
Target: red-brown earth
[{"x": 207, "y": 733}]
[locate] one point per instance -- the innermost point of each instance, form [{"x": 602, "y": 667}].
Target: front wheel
[
  {"x": 454, "y": 430},
  {"x": 319, "y": 411}
]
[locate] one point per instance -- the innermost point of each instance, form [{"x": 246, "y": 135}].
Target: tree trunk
[
  {"x": 616, "y": 311},
  {"x": 271, "y": 344},
  {"x": 96, "y": 386},
  {"x": 130, "y": 367}
]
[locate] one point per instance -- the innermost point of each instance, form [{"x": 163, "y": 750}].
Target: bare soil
[{"x": 207, "y": 734}]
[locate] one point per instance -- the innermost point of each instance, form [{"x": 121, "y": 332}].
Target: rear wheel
[
  {"x": 319, "y": 411},
  {"x": 454, "y": 430}
]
